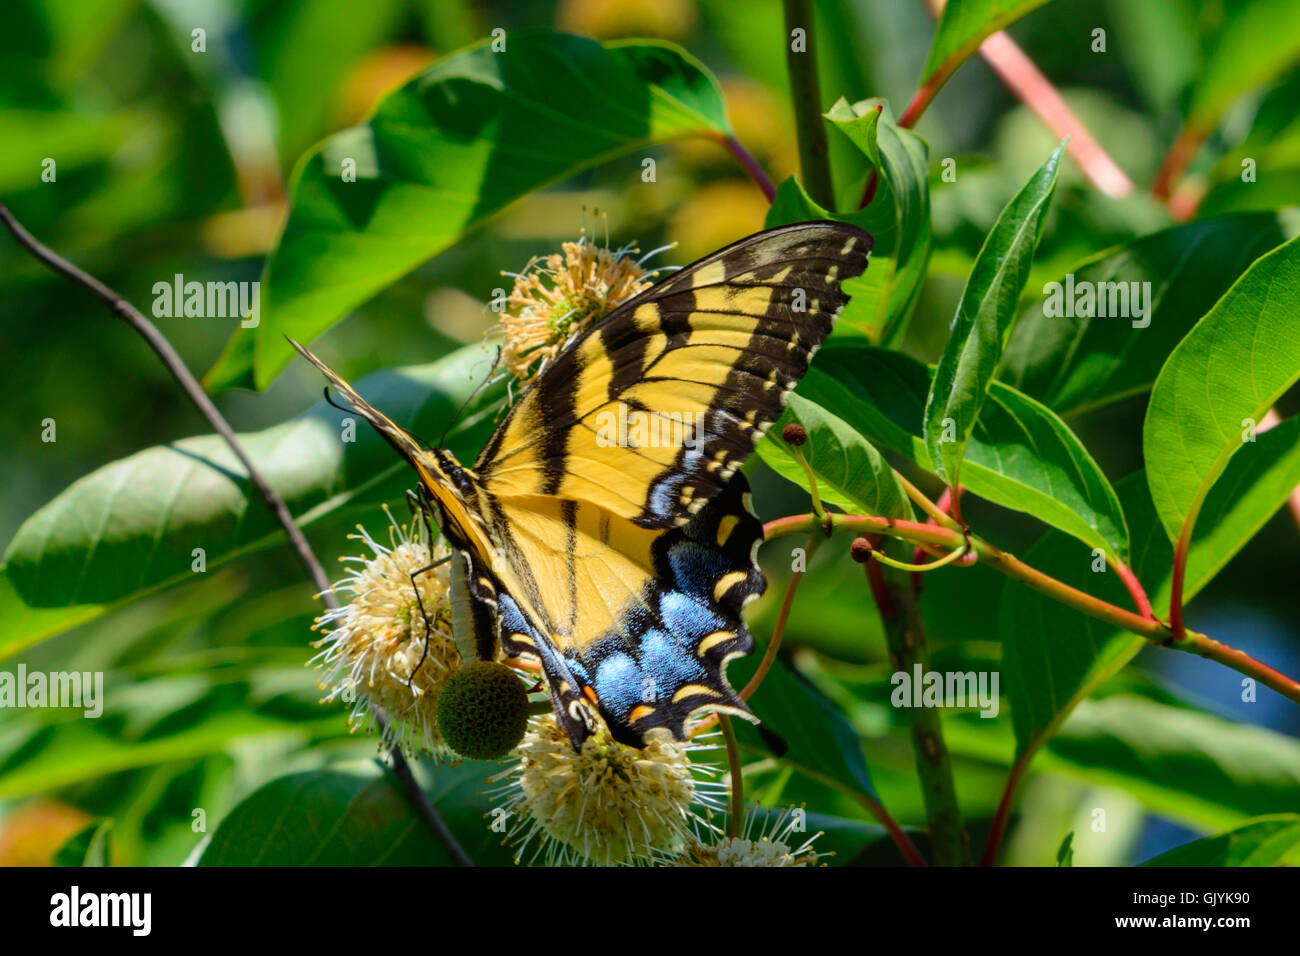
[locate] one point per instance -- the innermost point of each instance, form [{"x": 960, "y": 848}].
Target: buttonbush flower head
[
  {"x": 557, "y": 297},
  {"x": 607, "y": 805},
  {"x": 776, "y": 843},
  {"x": 374, "y": 642}
]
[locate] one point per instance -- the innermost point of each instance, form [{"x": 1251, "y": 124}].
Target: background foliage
[{"x": 171, "y": 162}]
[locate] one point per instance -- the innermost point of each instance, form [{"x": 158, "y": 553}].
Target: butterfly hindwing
[{"x": 686, "y": 630}]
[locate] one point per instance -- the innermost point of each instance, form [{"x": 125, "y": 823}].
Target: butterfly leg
[{"x": 420, "y": 507}]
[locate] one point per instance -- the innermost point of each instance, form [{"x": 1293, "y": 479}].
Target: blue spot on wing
[
  {"x": 618, "y": 684},
  {"x": 689, "y": 617},
  {"x": 670, "y": 661}
]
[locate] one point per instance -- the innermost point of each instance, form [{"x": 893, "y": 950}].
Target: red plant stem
[
  {"x": 1152, "y": 629},
  {"x": 750, "y": 164},
  {"x": 901, "y": 840},
  {"x": 778, "y": 630},
  {"x": 1135, "y": 590},
  {"x": 944, "y": 504},
  {"x": 1024, "y": 79},
  {"x": 993, "y": 843},
  {"x": 1020, "y": 74},
  {"x": 869, "y": 191},
  {"x": 1179, "y": 575},
  {"x": 1177, "y": 160}
]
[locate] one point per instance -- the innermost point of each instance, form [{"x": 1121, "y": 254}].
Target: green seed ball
[{"x": 483, "y": 710}]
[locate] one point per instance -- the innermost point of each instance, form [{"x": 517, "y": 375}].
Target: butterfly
[{"x": 581, "y": 538}]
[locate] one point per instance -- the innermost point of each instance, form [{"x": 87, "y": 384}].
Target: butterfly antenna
[
  {"x": 329, "y": 400},
  {"x": 487, "y": 379}
]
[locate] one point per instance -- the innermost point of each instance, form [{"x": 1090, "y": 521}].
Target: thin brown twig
[{"x": 174, "y": 364}]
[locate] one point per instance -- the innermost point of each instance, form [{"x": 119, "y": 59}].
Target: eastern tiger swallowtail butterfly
[{"x": 622, "y": 565}]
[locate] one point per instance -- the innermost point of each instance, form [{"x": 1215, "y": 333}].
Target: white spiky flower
[
  {"x": 608, "y": 804},
  {"x": 377, "y": 649},
  {"x": 776, "y": 843},
  {"x": 558, "y": 296}
]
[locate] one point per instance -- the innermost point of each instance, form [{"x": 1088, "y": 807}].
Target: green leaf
[
  {"x": 850, "y": 472},
  {"x": 132, "y": 526},
  {"x": 1054, "y": 656},
  {"x": 984, "y": 319},
  {"x": 1180, "y": 763},
  {"x": 1073, "y": 363},
  {"x": 1265, "y": 841},
  {"x": 1218, "y": 383},
  {"x": 1256, "y": 42},
  {"x": 445, "y": 153},
  {"x": 1065, "y": 853},
  {"x": 1202, "y": 768},
  {"x": 77, "y": 751},
  {"x": 1020, "y": 456},
  {"x": 901, "y": 160},
  {"x": 305, "y": 56},
  {"x": 22, "y": 626},
  {"x": 820, "y": 740},
  {"x": 963, "y": 26},
  {"x": 87, "y": 847},
  {"x": 354, "y": 816}
]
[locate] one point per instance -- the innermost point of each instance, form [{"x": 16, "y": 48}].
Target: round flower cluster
[
  {"x": 381, "y": 649},
  {"x": 557, "y": 297},
  {"x": 608, "y": 803}
]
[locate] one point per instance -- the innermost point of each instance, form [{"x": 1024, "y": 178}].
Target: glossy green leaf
[
  {"x": 985, "y": 316},
  {"x": 22, "y": 626},
  {"x": 1072, "y": 362},
  {"x": 963, "y": 26},
  {"x": 850, "y": 472},
  {"x": 1207, "y": 768},
  {"x": 1054, "y": 656},
  {"x": 78, "y": 751},
  {"x": 355, "y": 816},
  {"x": 1020, "y": 454},
  {"x": 446, "y": 152},
  {"x": 901, "y": 159},
  {"x": 1256, "y": 42},
  {"x": 1266, "y": 841},
  {"x": 306, "y": 56},
  {"x": 1065, "y": 853},
  {"x": 1180, "y": 763},
  {"x": 134, "y": 525},
  {"x": 1218, "y": 383},
  {"x": 88, "y": 847}
]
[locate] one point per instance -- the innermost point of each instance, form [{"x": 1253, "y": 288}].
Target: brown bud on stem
[
  {"x": 794, "y": 434},
  {"x": 860, "y": 550}
]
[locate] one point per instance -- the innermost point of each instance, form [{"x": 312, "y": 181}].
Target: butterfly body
[{"x": 618, "y": 560}]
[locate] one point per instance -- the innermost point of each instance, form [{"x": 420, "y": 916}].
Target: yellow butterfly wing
[{"x": 628, "y": 565}]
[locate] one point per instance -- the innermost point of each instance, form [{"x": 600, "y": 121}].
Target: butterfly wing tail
[{"x": 395, "y": 434}]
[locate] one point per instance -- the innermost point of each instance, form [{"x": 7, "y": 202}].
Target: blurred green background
[{"x": 169, "y": 162}]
